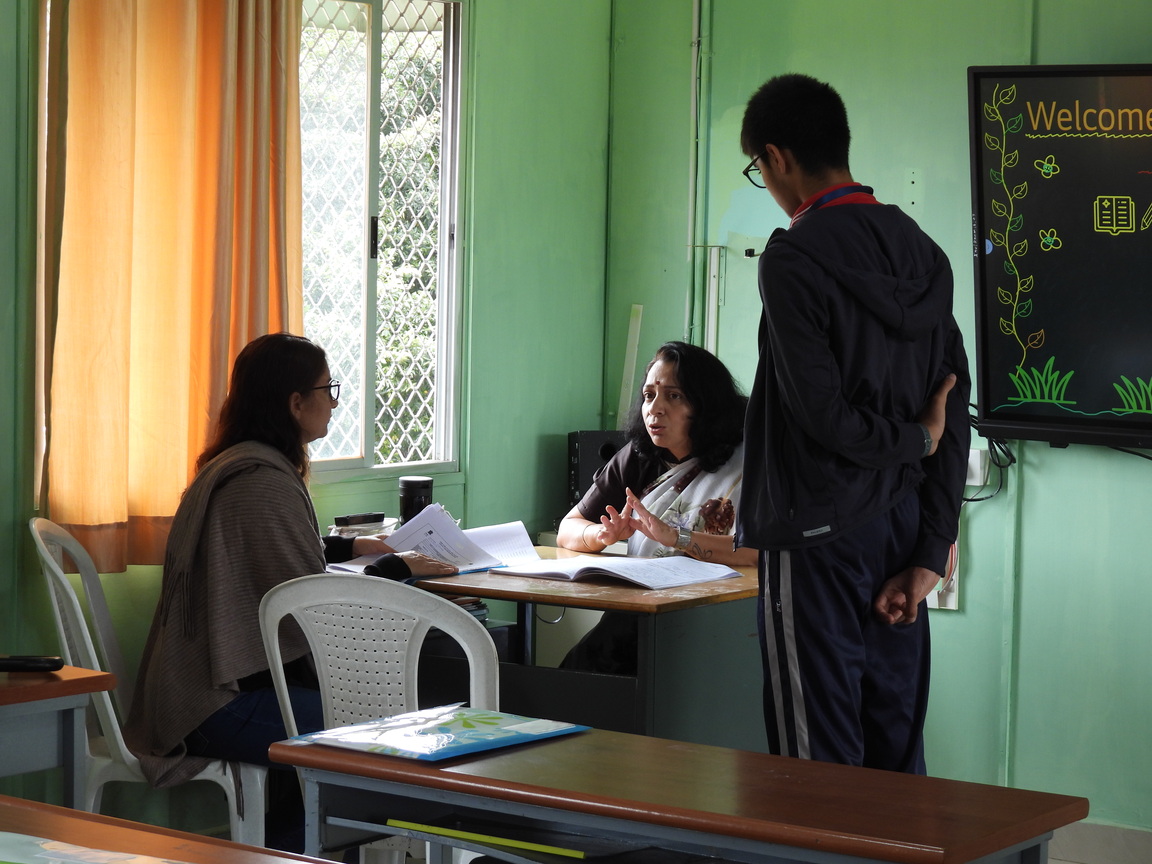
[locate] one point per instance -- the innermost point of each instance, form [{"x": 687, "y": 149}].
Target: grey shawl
[{"x": 245, "y": 524}]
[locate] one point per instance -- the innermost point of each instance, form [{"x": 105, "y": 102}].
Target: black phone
[{"x": 29, "y": 663}]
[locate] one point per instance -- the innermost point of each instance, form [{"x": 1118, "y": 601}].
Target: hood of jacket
[{"x": 878, "y": 254}]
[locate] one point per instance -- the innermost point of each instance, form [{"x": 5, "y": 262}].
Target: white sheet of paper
[
  {"x": 433, "y": 532},
  {"x": 508, "y": 541}
]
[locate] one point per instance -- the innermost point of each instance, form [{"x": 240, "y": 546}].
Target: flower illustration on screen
[
  {"x": 1049, "y": 241},
  {"x": 1047, "y": 166}
]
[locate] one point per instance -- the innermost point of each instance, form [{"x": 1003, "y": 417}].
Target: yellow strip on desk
[{"x": 485, "y": 838}]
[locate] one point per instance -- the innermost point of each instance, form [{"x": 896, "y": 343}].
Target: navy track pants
[{"x": 839, "y": 685}]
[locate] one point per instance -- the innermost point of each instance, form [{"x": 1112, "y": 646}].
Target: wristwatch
[
  {"x": 683, "y": 538},
  {"x": 927, "y": 440}
]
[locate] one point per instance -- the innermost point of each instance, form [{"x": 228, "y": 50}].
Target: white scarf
[{"x": 685, "y": 496}]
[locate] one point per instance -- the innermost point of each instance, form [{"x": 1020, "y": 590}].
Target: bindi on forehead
[{"x": 662, "y": 374}]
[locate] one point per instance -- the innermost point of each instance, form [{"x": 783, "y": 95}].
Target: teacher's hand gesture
[
  {"x": 615, "y": 525},
  {"x": 648, "y": 524}
]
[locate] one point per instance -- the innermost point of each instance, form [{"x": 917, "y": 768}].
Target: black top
[
  {"x": 857, "y": 333},
  {"x": 628, "y": 469}
]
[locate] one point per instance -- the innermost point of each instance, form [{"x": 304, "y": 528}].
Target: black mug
[{"x": 415, "y": 495}]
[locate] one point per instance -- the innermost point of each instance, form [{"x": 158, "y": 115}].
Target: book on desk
[
  {"x": 439, "y": 733},
  {"x": 652, "y": 573}
]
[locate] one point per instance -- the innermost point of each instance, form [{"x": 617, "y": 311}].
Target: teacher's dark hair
[
  {"x": 717, "y": 405},
  {"x": 265, "y": 375}
]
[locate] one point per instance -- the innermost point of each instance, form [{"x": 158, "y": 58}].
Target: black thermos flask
[{"x": 415, "y": 495}]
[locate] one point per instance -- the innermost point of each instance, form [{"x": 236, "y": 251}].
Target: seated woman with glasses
[
  {"x": 671, "y": 490},
  {"x": 245, "y": 524}
]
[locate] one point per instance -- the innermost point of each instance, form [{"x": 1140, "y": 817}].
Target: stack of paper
[{"x": 433, "y": 532}]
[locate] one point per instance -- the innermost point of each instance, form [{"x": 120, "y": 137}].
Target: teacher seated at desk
[
  {"x": 672, "y": 489},
  {"x": 245, "y": 524}
]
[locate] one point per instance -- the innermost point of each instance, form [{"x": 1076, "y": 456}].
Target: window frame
[{"x": 447, "y": 420}]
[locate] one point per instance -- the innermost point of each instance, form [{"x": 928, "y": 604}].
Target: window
[{"x": 378, "y": 94}]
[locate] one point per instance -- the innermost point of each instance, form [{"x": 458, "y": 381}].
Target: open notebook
[{"x": 673, "y": 571}]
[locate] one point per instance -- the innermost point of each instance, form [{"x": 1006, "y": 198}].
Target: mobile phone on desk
[{"x": 29, "y": 663}]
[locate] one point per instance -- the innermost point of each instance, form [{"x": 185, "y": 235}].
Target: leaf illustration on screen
[{"x": 1007, "y": 235}]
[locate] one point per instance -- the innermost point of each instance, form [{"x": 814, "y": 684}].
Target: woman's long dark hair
[
  {"x": 717, "y": 405},
  {"x": 265, "y": 375}
]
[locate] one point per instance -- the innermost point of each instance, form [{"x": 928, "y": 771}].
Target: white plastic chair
[
  {"x": 108, "y": 757},
  {"x": 365, "y": 635}
]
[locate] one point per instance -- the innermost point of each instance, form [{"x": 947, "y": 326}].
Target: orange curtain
[{"x": 178, "y": 242}]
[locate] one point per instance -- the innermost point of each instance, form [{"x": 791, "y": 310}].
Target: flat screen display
[{"x": 1062, "y": 246}]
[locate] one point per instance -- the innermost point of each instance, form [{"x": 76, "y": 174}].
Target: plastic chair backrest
[
  {"x": 76, "y": 645},
  {"x": 365, "y": 635}
]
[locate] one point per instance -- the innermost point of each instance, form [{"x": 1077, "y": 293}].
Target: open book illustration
[
  {"x": 440, "y": 733},
  {"x": 435, "y": 533},
  {"x": 671, "y": 572}
]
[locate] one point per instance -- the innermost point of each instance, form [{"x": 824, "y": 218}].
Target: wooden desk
[
  {"x": 118, "y": 835},
  {"x": 601, "y": 594},
  {"x": 690, "y": 799},
  {"x": 42, "y": 723},
  {"x": 698, "y": 655}
]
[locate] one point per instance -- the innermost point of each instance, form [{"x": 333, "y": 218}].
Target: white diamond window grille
[{"x": 399, "y": 399}]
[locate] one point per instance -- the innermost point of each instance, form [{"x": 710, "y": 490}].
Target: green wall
[
  {"x": 1042, "y": 678},
  {"x": 579, "y": 152},
  {"x": 534, "y": 249},
  {"x": 650, "y": 167}
]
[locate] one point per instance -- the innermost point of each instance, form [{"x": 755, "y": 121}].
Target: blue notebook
[{"x": 441, "y": 733}]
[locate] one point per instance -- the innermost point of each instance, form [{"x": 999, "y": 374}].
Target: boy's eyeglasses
[{"x": 752, "y": 172}]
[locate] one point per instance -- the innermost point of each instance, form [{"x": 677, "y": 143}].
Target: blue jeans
[{"x": 243, "y": 729}]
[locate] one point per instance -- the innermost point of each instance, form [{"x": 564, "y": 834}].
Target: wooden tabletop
[
  {"x": 773, "y": 799},
  {"x": 601, "y": 593},
  {"x": 105, "y": 833},
  {"x": 18, "y": 687}
]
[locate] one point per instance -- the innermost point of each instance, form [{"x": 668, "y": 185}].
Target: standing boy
[{"x": 856, "y": 443}]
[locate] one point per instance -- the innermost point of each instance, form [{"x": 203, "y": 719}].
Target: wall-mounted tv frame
[{"x": 1062, "y": 246}]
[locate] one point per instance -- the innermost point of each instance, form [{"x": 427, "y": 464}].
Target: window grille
[{"x": 390, "y": 253}]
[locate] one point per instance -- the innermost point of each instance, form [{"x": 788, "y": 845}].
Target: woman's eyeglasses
[{"x": 333, "y": 388}]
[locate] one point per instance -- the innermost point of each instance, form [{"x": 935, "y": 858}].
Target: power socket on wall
[
  {"x": 977, "y": 467},
  {"x": 947, "y": 594}
]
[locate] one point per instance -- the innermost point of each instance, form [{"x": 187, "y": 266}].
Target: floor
[{"x": 1083, "y": 843}]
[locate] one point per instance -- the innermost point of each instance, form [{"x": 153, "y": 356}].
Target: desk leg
[
  {"x": 1037, "y": 854},
  {"x": 526, "y": 624},
  {"x": 646, "y": 672},
  {"x": 73, "y": 752},
  {"x": 311, "y": 818}
]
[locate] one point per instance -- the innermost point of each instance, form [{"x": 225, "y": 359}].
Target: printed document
[{"x": 433, "y": 532}]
